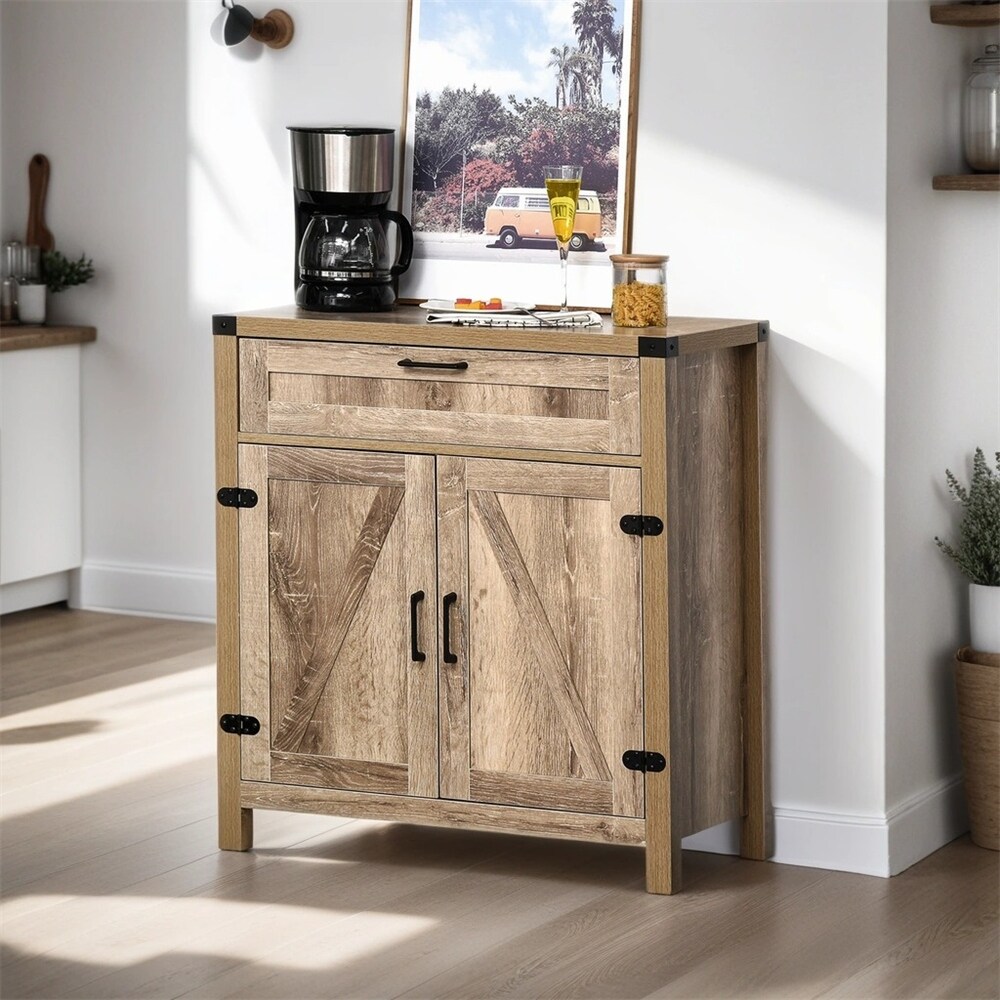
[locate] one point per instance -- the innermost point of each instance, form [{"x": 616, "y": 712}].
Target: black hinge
[
  {"x": 639, "y": 524},
  {"x": 644, "y": 760},
  {"x": 241, "y": 725},
  {"x": 234, "y": 496}
]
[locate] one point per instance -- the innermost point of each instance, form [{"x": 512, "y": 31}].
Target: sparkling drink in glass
[{"x": 562, "y": 185}]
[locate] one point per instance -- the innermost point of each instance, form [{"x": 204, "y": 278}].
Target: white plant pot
[
  {"x": 984, "y": 617},
  {"x": 31, "y": 303}
]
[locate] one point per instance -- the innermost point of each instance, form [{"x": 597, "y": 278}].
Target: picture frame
[{"x": 478, "y": 122}]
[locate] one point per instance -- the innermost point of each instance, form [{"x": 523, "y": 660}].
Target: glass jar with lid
[
  {"x": 639, "y": 289},
  {"x": 981, "y": 113}
]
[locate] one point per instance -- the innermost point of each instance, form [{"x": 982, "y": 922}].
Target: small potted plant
[
  {"x": 58, "y": 274},
  {"x": 977, "y": 553},
  {"x": 977, "y": 669}
]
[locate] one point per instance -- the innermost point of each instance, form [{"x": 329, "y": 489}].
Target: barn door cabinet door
[
  {"x": 337, "y": 619},
  {"x": 541, "y": 685}
]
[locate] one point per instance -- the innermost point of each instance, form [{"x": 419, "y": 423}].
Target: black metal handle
[
  {"x": 456, "y": 366},
  {"x": 415, "y": 654},
  {"x": 447, "y": 602}
]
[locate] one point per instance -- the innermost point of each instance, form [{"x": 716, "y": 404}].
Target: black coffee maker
[{"x": 343, "y": 179}]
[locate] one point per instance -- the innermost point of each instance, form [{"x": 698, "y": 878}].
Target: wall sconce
[{"x": 274, "y": 29}]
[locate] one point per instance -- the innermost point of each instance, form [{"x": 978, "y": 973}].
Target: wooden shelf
[
  {"x": 962, "y": 15},
  {"x": 16, "y": 337},
  {"x": 967, "y": 182}
]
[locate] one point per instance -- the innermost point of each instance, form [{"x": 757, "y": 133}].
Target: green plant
[
  {"x": 60, "y": 273},
  {"x": 978, "y": 552}
]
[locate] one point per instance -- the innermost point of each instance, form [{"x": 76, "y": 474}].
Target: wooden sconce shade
[{"x": 274, "y": 29}]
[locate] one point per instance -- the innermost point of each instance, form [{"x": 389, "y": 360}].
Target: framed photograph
[{"x": 496, "y": 91}]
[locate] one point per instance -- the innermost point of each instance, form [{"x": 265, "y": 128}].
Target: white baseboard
[
  {"x": 34, "y": 593},
  {"x": 921, "y": 824},
  {"x": 145, "y": 590},
  {"x": 867, "y": 845}
]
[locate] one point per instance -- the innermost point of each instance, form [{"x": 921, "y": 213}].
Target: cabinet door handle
[
  {"x": 454, "y": 366},
  {"x": 415, "y": 653},
  {"x": 447, "y": 602}
]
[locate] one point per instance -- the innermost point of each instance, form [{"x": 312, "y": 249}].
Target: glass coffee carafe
[{"x": 345, "y": 260}]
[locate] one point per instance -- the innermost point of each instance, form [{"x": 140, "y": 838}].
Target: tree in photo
[
  {"x": 449, "y": 127},
  {"x": 594, "y": 21}
]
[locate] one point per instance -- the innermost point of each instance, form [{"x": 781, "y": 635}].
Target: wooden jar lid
[{"x": 637, "y": 259}]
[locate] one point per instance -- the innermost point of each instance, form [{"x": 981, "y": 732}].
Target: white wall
[
  {"x": 943, "y": 388},
  {"x": 761, "y": 170}
]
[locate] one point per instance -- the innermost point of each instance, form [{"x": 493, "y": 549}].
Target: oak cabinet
[{"x": 478, "y": 584}]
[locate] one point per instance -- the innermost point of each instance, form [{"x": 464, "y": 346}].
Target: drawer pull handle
[
  {"x": 454, "y": 366},
  {"x": 415, "y": 654},
  {"x": 449, "y": 600}
]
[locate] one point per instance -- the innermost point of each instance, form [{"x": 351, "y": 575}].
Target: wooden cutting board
[{"x": 38, "y": 234}]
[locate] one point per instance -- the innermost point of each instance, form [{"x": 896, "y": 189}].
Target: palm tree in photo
[
  {"x": 560, "y": 61},
  {"x": 616, "y": 49},
  {"x": 580, "y": 67},
  {"x": 594, "y": 21}
]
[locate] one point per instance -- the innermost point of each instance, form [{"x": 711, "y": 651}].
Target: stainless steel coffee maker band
[{"x": 343, "y": 160}]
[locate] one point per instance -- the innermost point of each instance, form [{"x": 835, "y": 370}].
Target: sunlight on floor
[{"x": 242, "y": 931}]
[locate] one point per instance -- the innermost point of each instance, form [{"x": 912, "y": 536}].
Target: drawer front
[{"x": 559, "y": 402}]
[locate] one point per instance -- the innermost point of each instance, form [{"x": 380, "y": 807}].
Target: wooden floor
[{"x": 112, "y": 885}]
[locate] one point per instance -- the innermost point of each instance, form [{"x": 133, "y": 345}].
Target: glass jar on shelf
[{"x": 981, "y": 113}]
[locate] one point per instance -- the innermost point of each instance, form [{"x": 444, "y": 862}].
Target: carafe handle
[{"x": 405, "y": 241}]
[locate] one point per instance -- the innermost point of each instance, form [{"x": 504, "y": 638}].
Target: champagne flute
[{"x": 562, "y": 185}]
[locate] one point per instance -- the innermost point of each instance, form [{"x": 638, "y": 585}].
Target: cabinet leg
[
  {"x": 235, "y": 825},
  {"x": 663, "y": 862}
]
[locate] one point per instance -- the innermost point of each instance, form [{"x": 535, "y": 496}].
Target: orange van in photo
[{"x": 523, "y": 214}]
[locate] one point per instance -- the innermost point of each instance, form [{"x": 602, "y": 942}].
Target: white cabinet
[{"x": 40, "y": 508}]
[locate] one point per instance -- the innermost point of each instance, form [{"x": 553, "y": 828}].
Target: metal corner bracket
[
  {"x": 224, "y": 326},
  {"x": 658, "y": 347}
]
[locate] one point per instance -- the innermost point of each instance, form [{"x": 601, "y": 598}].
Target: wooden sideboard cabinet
[{"x": 499, "y": 579}]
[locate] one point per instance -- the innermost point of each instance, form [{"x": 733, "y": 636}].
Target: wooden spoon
[{"x": 38, "y": 180}]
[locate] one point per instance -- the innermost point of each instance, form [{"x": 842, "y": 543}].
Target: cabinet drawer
[{"x": 559, "y": 402}]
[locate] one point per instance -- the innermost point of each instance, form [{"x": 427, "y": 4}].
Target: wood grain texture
[
  {"x": 555, "y": 563},
  {"x": 407, "y": 326},
  {"x": 554, "y": 669},
  {"x": 440, "y": 395},
  {"x": 705, "y": 415},
  {"x": 347, "y": 468},
  {"x": 967, "y": 182},
  {"x": 438, "y": 448},
  {"x": 21, "y": 338},
  {"x": 453, "y": 577},
  {"x": 255, "y": 618},
  {"x": 660, "y": 623},
  {"x": 962, "y": 15},
  {"x": 253, "y": 385},
  {"x": 444, "y": 812},
  {"x": 322, "y": 419},
  {"x": 623, "y": 405},
  {"x": 336, "y": 772},
  {"x": 235, "y": 823},
  {"x": 757, "y": 831},
  {"x": 291, "y": 729},
  {"x": 541, "y": 791},
  {"x": 553, "y": 479},
  {"x": 419, "y": 521},
  {"x": 531, "y": 369}
]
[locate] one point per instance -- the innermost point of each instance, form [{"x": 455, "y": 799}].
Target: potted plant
[
  {"x": 977, "y": 669},
  {"x": 977, "y": 554},
  {"x": 58, "y": 274}
]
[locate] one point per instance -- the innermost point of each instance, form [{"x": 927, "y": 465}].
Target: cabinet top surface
[{"x": 408, "y": 325}]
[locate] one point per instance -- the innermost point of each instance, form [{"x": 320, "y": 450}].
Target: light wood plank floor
[{"x": 112, "y": 885}]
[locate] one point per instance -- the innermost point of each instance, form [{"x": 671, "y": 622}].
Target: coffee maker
[{"x": 343, "y": 179}]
